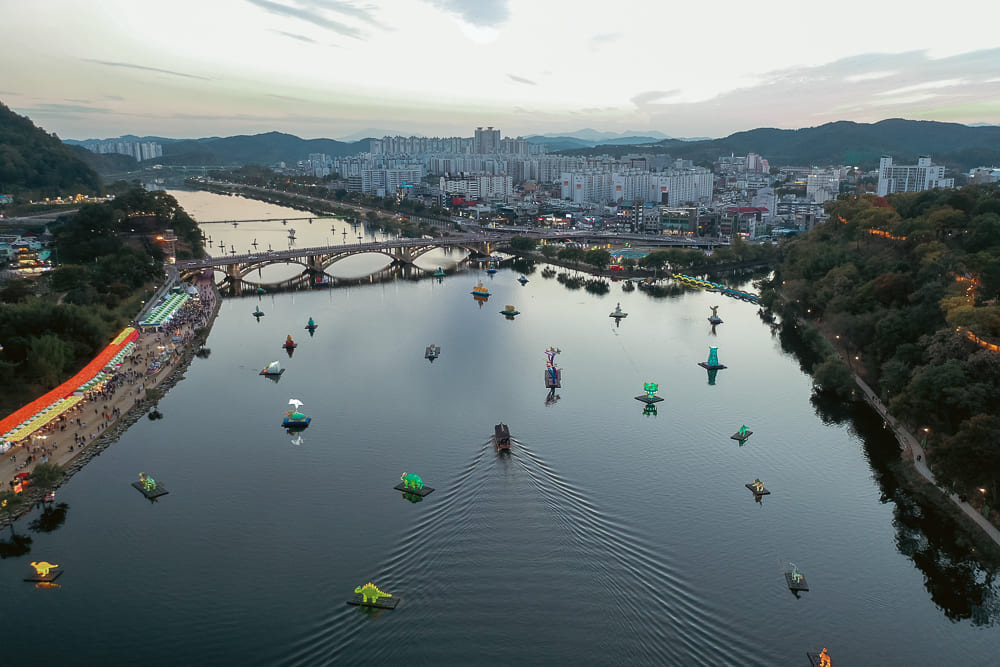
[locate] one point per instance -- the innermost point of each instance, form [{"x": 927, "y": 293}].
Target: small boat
[
  {"x": 258, "y": 312},
  {"x": 432, "y": 352},
  {"x": 510, "y": 312},
  {"x": 273, "y": 369},
  {"x": 522, "y": 280},
  {"x": 311, "y": 325},
  {"x": 618, "y": 313},
  {"x": 501, "y": 437},
  {"x": 289, "y": 344},
  {"x": 294, "y": 418},
  {"x": 479, "y": 290},
  {"x": 439, "y": 273}
]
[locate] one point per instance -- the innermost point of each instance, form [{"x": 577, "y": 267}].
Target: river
[{"x": 606, "y": 536}]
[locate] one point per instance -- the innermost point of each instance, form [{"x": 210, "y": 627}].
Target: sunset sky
[{"x": 334, "y": 68}]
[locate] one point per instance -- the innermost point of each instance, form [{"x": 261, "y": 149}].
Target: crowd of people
[{"x": 66, "y": 436}]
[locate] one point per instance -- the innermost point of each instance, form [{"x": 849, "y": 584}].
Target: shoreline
[
  {"x": 912, "y": 455},
  {"x": 131, "y": 406}
]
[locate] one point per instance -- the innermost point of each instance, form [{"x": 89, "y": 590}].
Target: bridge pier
[{"x": 402, "y": 256}]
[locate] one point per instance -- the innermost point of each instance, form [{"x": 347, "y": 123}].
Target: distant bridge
[
  {"x": 401, "y": 252},
  {"x": 234, "y": 223},
  {"x": 315, "y": 260}
]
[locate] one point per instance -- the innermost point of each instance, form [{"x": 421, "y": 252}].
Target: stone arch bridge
[{"x": 315, "y": 260}]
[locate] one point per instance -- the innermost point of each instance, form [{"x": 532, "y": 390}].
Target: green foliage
[
  {"x": 895, "y": 299},
  {"x": 599, "y": 258},
  {"x": 46, "y": 475},
  {"x": 35, "y": 164},
  {"x": 833, "y": 377},
  {"x": 522, "y": 244}
]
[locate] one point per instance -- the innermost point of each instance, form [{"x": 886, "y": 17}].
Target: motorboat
[{"x": 501, "y": 437}]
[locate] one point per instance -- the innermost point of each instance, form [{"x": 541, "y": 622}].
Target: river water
[{"x": 607, "y": 536}]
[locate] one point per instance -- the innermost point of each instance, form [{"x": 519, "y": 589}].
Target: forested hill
[
  {"x": 36, "y": 164},
  {"x": 908, "y": 289},
  {"x": 841, "y": 143},
  {"x": 261, "y": 149}
]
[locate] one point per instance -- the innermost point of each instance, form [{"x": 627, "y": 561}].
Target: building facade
[{"x": 910, "y": 178}]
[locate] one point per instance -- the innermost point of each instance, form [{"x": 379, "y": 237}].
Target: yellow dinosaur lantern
[{"x": 42, "y": 568}]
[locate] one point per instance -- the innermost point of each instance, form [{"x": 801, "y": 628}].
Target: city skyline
[{"x": 334, "y": 68}]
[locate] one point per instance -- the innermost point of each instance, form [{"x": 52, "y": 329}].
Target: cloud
[
  {"x": 50, "y": 108},
  {"x": 363, "y": 13},
  {"x": 308, "y": 16},
  {"x": 867, "y": 76},
  {"x": 285, "y": 97},
  {"x": 521, "y": 79},
  {"x": 107, "y": 63},
  {"x": 642, "y": 99},
  {"x": 117, "y": 98},
  {"x": 604, "y": 38},
  {"x": 947, "y": 83},
  {"x": 789, "y": 98},
  {"x": 482, "y": 13},
  {"x": 301, "y": 38}
]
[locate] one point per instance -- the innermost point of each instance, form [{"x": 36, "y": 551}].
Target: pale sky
[{"x": 331, "y": 68}]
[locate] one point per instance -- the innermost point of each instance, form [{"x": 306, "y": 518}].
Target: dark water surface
[{"x": 605, "y": 537}]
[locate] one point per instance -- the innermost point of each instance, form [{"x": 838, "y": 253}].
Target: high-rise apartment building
[
  {"x": 486, "y": 141},
  {"x": 910, "y": 178}
]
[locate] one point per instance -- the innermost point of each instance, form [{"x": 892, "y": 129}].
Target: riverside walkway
[{"x": 908, "y": 442}]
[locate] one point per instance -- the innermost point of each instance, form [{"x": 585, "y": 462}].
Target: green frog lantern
[{"x": 411, "y": 481}]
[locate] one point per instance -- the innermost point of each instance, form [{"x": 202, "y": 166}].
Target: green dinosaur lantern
[
  {"x": 370, "y": 593},
  {"x": 148, "y": 483},
  {"x": 650, "y": 388},
  {"x": 411, "y": 481}
]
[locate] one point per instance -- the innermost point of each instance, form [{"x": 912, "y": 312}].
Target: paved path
[
  {"x": 913, "y": 450},
  {"x": 91, "y": 413}
]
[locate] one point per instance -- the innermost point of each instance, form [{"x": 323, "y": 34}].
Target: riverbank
[
  {"x": 81, "y": 434},
  {"x": 914, "y": 468}
]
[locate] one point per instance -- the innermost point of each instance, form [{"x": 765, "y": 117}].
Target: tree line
[
  {"x": 895, "y": 286},
  {"x": 109, "y": 260}
]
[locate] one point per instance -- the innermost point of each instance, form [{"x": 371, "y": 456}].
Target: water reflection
[
  {"x": 16, "y": 545},
  {"x": 51, "y": 518},
  {"x": 958, "y": 583}
]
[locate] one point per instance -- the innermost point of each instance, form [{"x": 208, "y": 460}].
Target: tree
[
  {"x": 549, "y": 251},
  {"x": 599, "y": 259},
  {"x": 522, "y": 244},
  {"x": 833, "y": 377},
  {"x": 46, "y": 476}
]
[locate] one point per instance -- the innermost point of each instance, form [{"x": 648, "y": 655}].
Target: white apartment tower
[{"x": 910, "y": 178}]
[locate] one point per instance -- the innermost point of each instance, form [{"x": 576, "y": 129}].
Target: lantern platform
[
  {"x": 814, "y": 659},
  {"x": 152, "y": 495},
  {"x": 647, "y": 399},
  {"x": 793, "y": 585},
  {"x": 422, "y": 491},
  {"x": 383, "y": 603},
  {"x": 553, "y": 384},
  {"x": 764, "y": 492},
  {"x": 712, "y": 367},
  {"x": 51, "y": 576},
  {"x": 272, "y": 374},
  {"x": 741, "y": 436}
]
